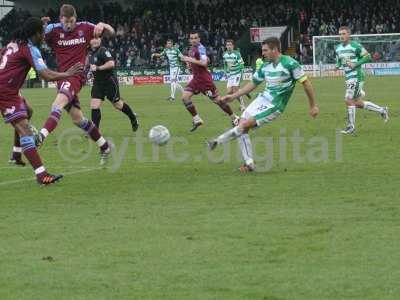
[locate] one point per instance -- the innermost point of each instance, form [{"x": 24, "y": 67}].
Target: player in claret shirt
[
  {"x": 17, "y": 58},
  {"x": 70, "y": 42},
  {"x": 202, "y": 82}
]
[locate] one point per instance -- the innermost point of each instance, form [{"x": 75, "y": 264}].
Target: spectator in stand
[{"x": 147, "y": 24}]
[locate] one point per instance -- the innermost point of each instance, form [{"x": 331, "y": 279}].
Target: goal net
[{"x": 384, "y": 49}]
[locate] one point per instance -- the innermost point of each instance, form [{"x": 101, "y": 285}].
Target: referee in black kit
[{"x": 105, "y": 84}]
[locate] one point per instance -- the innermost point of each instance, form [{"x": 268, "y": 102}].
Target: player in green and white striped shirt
[
  {"x": 233, "y": 66},
  {"x": 173, "y": 54},
  {"x": 280, "y": 72},
  {"x": 350, "y": 56}
]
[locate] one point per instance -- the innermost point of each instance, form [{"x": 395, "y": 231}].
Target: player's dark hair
[
  {"x": 195, "y": 32},
  {"x": 273, "y": 43},
  {"x": 30, "y": 27},
  {"x": 347, "y": 28},
  {"x": 169, "y": 40},
  {"x": 68, "y": 11},
  {"x": 230, "y": 41}
]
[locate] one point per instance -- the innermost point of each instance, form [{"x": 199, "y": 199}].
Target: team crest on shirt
[
  {"x": 62, "y": 35},
  {"x": 80, "y": 32},
  {"x": 95, "y": 59}
]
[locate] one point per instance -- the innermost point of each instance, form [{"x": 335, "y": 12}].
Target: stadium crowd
[
  {"x": 324, "y": 17},
  {"x": 142, "y": 29}
]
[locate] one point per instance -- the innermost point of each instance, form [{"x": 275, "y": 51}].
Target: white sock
[
  {"x": 351, "y": 112},
  {"x": 229, "y": 135},
  {"x": 17, "y": 149},
  {"x": 44, "y": 131},
  {"x": 373, "y": 107},
  {"x": 101, "y": 141},
  {"x": 40, "y": 170},
  {"x": 246, "y": 149},
  {"x": 173, "y": 88},
  {"x": 197, "y": 119}
]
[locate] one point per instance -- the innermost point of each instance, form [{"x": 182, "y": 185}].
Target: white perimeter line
[{"x": 33, "y": 178}]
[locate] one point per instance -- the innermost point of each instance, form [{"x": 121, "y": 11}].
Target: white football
[{"x": 159, "y": 135}]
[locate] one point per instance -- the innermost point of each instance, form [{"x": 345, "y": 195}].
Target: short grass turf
[{"x": 177, "y": 223}]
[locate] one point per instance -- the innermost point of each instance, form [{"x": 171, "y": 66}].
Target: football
[{"x": 159, "y": 135}]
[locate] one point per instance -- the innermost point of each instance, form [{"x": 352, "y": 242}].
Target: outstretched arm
[
  {"x": 36, "y": 60},
  {"x": 251, "y": 86},
  {"x": 308, "y": 88},
  {"x": 50, "y": 75}
]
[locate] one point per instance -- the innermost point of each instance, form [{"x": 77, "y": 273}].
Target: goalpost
[{"x": 384, "y": 49}]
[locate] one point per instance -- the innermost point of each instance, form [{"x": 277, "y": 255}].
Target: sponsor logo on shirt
[{"x": 72, "y": 42}]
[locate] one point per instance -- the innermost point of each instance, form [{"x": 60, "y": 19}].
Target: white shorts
[
  {"x": 234, "y": 80},
  {"x": 174, "y": 73},
  {"x": 262, "y": 110},
  {"x": 354, "y": 89}
]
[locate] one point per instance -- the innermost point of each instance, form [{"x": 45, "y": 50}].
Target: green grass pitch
[{"x": 173, "y": 223}]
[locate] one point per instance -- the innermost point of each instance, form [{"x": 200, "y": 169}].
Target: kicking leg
[
  {"x": 233, "y": 133},
  {"x": 260, "y": 111},
  {"x": 55, "y": 116},
  {"x": 240, "y": 133}
]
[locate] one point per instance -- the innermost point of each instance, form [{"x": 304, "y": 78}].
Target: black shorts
[{"x": 108, "y": 88}]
